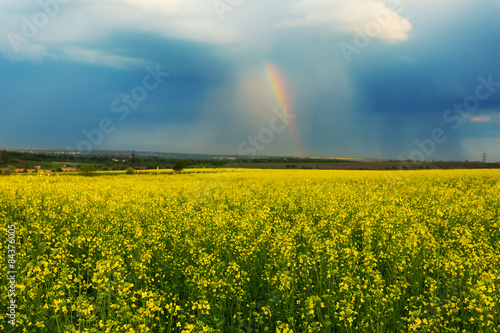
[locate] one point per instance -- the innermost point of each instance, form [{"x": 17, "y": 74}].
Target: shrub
[
  {"x": 9, "y": 170},
  {"x": 130, "y": 171}
]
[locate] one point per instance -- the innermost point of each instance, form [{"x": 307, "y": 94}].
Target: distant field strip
[{"x": 255, "y": 251}]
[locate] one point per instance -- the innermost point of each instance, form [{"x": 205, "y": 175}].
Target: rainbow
[{"x": 280, "y": 93}]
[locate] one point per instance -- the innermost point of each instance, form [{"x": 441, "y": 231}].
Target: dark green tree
[
  {"x": 179, "y": 165},
  {"x": 87, "y": 171}
]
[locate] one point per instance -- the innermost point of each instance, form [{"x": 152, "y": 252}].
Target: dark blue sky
[{"x": 67, "y": 69}]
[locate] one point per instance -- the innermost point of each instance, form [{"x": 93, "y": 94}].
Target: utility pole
[
  {"x": 132, "y": 159},
  {"x": 484, "y": 157}
]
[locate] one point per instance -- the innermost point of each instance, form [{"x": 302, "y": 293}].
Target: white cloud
[
  {"x": 27, "y": 52},
  {"x": 94, "y": 57},
  {"x": 349, "y": 16},
  {"x": 181, "y": 19},
  {"x": 83, "y": 23}
]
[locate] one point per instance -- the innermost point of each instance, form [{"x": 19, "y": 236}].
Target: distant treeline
[
  {"x": 119, "y": 162},
  {"x": 122, "y": 161},
  {"x": 29, "y": 160}
]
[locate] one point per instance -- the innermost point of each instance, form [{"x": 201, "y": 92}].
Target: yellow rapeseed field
[{"x": 255, "y": 251}]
